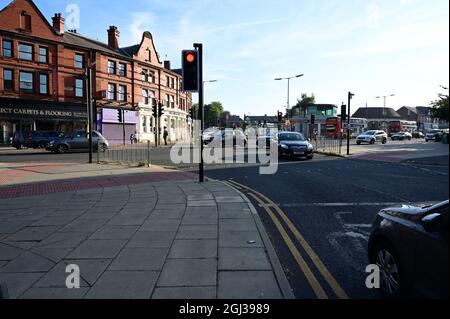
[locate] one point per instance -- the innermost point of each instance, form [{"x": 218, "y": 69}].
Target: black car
[
  {"x": 410, "y": 245},
  {"x": 41, "y": 139},
  {"x": 19, "y": 139},
  {"x": 294, "y": 145}
]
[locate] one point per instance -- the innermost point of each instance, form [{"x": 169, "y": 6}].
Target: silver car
[{"x": 372, "y": 137}]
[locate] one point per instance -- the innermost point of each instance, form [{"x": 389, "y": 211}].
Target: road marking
[
  {"x": 340, "y": 293},
  {"x": 384, "y": 204},
  {"x": 314, "y": 283}
]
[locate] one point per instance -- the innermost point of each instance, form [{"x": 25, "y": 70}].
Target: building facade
[{"x": 44, "y": 83}]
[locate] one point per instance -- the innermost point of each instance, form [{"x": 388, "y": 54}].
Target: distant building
[
  {"x": 420, "y": 114},
  {"x": 301, "y": 117},
  {"x": 377, "y": 117},
  {"x": 262, "y": 121}
]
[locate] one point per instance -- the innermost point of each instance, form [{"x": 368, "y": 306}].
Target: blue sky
[{"x": 369, "y": 47}]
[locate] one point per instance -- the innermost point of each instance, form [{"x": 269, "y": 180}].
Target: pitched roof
[
  {"x": 376, "y": 113},
  {"x": 79, "y": 40},
  {"x": 419, "y": 110}
]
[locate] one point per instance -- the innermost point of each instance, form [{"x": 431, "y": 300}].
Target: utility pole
[
  {"x": 350, "y": 96},
  {"x": 89, "y": 111},
  {"x": 199, "y": 48}
]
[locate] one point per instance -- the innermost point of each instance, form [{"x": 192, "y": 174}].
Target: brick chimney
[
  {"x": 113, "y": 37},
  {"x": 58, "y": 23},
  {"x": 167, "y": 65}
]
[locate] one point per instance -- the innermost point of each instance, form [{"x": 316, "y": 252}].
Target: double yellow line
[{"x": 268, "y": 205}]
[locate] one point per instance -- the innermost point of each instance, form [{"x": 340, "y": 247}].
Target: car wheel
[
  {"x": 42, "y": 145},
  {"x": 310, "y": 157},
  {"x": 359, "y": 143},
  {"x": 102, "y": 148},
  {"x": 385, "y": 141},
  {"x": 62, "y": 149},
  {"x": 372, "y": 142},
  {"x": 392, "y": 282}
]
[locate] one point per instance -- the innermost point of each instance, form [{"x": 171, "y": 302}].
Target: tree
[
  {"x": 212, "y": 113},
  {"x": 302, "y": 104},
  {"x": 439, "y": 108}
]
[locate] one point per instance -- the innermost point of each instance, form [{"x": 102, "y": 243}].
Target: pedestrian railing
[
  {"x": 328, "y": 145},
  {"x": 120, "y": 152}
]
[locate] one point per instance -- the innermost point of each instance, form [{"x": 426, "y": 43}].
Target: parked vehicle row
[{"x": 59, "y": 142}]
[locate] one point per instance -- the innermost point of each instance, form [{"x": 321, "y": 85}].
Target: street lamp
[
  {"x": 289, "y": 87},
  {"x": 384, "y": 97}
]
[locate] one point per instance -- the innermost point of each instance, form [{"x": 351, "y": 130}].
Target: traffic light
[
  {"x": 313, "y": 119},
  {"x": 120, "y": 116},
  {"x": 344, "y": 112},
  {"x": 155, "y": 110},
  {"x": 161, "y": 110},
  {"x": 191, "y": 67},
  {"x": 191, "y": 113},
  {"x": 280, "y": 117}
]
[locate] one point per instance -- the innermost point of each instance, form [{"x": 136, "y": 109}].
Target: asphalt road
[{"x": 333, "y": 203}]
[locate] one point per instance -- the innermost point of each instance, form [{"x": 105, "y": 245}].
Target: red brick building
[{"x": 43, "y": 84}]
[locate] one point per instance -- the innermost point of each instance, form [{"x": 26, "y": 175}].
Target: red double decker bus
[{"x": 333, "y": 127}]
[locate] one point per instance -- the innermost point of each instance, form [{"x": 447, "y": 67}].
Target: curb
[{"x": 280, "y": 276}]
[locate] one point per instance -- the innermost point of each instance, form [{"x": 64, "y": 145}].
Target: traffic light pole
[
  {"x": 350, "y": 96},
  {"x": 90, "y": 115},
  {"x": 199, "y": 47}
]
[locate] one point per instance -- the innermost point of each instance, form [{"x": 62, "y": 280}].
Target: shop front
[
  {"x": 117, "y": 125},
  {"x": 33, "y": 115}
]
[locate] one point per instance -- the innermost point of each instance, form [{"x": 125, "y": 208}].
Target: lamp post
[
  {"x": 384, "y": 97},
  {"x": 90, "y": 108},
  {"x": 289, "y": 89}
]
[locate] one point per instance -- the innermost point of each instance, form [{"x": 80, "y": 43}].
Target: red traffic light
[{"x": 190, "y": 57}]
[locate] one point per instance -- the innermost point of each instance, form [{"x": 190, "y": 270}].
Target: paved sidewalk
[{"x": 171, "y": 240}]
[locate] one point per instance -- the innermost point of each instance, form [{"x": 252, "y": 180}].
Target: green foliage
[
  {"x": 440, "y": 107},
  {"x": 212, "y": 111}
]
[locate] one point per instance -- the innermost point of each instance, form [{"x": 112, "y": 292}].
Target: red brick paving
[{"x": 91, "y": 183}]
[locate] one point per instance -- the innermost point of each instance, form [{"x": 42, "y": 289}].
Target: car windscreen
[
  {"x": 291, "y": 137},
  {"x": 370, "y": 133}
]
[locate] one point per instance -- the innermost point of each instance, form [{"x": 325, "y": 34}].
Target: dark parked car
[
  {"x": 78, "y": 141},
  {"x": 402, "y": 136},
  {"x": 41, "y": 139},
  {"x": 410, "y": 245},
  {"x": 19, "y": 139},
  {"x": 294, "y": 145},
  {"x": 418, "y": 134}
]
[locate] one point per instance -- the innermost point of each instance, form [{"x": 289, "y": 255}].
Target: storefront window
[
  {"x": 26, "y": 82},
  {"x": 25, "y": 52}
]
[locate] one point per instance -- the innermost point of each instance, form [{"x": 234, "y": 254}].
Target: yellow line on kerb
[
  {"x": 315, "y": 285},
  {"x": 338, "y": 290}
]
